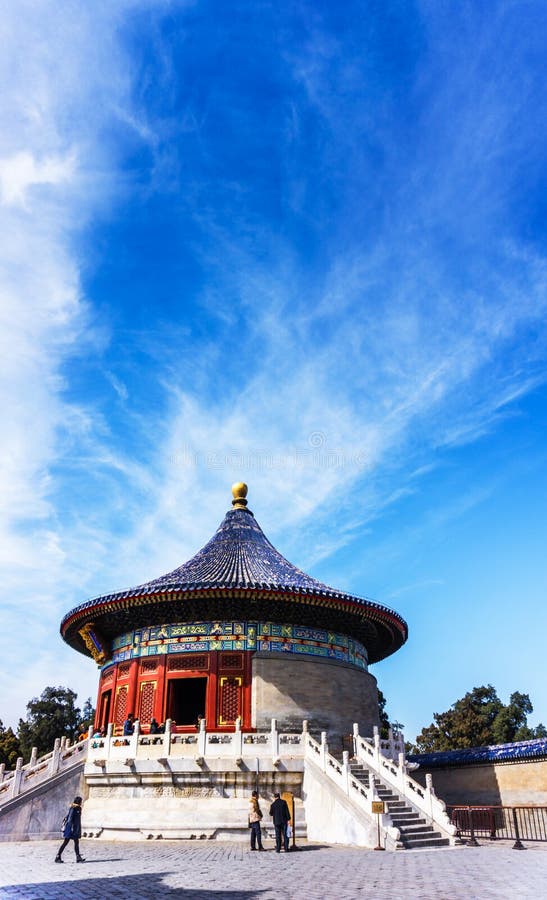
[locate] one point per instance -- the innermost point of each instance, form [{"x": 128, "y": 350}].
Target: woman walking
[
  {"x": 72, "y": 830},
  {"x": 255, "y": 815}
]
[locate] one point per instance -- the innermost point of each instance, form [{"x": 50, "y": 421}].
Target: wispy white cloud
[
  {"x": 62, "y": 71},
  {"x": 22, "y": 171},
  {"x": 316, "y": 425}
]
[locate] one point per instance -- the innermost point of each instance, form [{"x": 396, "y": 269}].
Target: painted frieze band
[{"x": 268, "y": 637}]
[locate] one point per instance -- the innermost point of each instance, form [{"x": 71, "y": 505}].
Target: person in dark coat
[
  {"x": 281, "y": 816},
  {"x": 129, "y": 725},
  {"x": 72, "y": 830}
]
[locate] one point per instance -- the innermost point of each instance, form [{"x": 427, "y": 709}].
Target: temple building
[
  {"x": 259, "y": 674},
  {"x": 236, "y": 635}
]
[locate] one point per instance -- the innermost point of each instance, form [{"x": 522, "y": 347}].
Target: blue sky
[{"x": 297, "y": 244}]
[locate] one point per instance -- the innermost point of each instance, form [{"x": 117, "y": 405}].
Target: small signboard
[
  {"x": 378, "y": 806},
  {"x": 289, "y": 799}
]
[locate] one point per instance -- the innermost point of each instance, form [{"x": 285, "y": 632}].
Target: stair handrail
[
  {"x": 39, "y": 769},
  {"x": 340, "y": 773},
  {"x": 396, "y": 776}
]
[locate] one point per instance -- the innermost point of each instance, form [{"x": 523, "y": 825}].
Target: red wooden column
[
  {"x": 96, "y": 720},
  {"x": 105, "y": 685},
  {"x": 247, "y": 691},
  {"x": 132, "y": 688},
  {"x": 159, "y": 706},
  {"x": 211, "y": 699}
]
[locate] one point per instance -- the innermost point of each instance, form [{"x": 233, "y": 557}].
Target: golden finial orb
[{"x": 239, "y": 493}]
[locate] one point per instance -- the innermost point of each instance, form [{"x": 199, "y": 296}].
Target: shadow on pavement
[
  {"x": 143, "y": 887},
  {"x": 305, "y": 848},
  {"x": 101, "y": 859}
]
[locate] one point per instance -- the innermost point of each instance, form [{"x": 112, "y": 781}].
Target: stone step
[
  {"x": 401, "y": 811},
  {"x": 415, "y": 829},
  {"x": 414, "y": 819},
  {"x": 417, "y": 843}
]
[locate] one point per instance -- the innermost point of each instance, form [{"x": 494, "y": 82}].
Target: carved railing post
[
  {"x": 17, "y": 778},
  {"x": 238, "y": 740},
  {"x": 167, "y": 738},
  {"x": 275, "y": 739},
  {"x": 134, "y": 739},
  {"x": 202, "y": 737},
  {"x": 401, "y": 768},
  {"x": 324, "y": 750},
  {"x": 377, "y": 752},
  {"x": 429, "y": 792},
  {"x": 108, "y": 740},
  {"x": 346, "y": 769},
  {"x": 55, "y": 760}
]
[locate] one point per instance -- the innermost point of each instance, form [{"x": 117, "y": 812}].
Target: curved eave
[{"x": 380, "y": 629}]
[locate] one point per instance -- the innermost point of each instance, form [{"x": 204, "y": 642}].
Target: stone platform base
[
  {"x": 148, "y": 818},
  {"x": 182, "y": 805}
]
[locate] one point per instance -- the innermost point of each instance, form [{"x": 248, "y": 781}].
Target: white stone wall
[
  {"x": 37, "y": 815},
  {"x": 330, "y": 817}
]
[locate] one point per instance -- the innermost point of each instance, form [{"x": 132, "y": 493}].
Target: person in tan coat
[{"x": 255, "y": 815}]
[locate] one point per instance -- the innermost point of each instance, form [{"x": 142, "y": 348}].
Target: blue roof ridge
[{"x": 490, "y": 753}]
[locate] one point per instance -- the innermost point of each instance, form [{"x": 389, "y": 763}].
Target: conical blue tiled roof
[
  {"x": 238, "y": 555},
  {"x": 239, "y": 574}
]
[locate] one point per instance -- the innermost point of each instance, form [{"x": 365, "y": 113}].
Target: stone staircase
[{"x": 415, "y": 832}]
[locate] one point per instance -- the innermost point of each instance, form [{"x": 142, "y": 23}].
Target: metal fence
[{"x": 515, "y": 823}]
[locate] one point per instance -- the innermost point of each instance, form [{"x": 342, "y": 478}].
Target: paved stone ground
[{"x": 185, "y": 870}]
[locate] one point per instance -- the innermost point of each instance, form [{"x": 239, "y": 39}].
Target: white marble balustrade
[
  {"x": 38, "y": 770},
  {"x": 200, "y": 745}
]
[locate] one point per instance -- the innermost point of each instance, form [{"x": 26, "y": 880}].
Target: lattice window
[
  {"x": 149, "y": 665},
  {"x": 231, "y": 661},
  {"x": 108, "y": 675},
  {"x": 187, "y": 662},
  {"x": 123, "y": 670},
  {"x": 230, "y": 699},
  {"x": 146, "y": 700},
  {"x": 121, "y": 705}
]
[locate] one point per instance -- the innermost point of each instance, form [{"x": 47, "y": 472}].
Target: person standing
[
  {"x": 129, "y": 725},
  {"x": 72, "y": 830},
  {"x": 255, "y": 815},
  {"x": 281, "y": 816}
]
